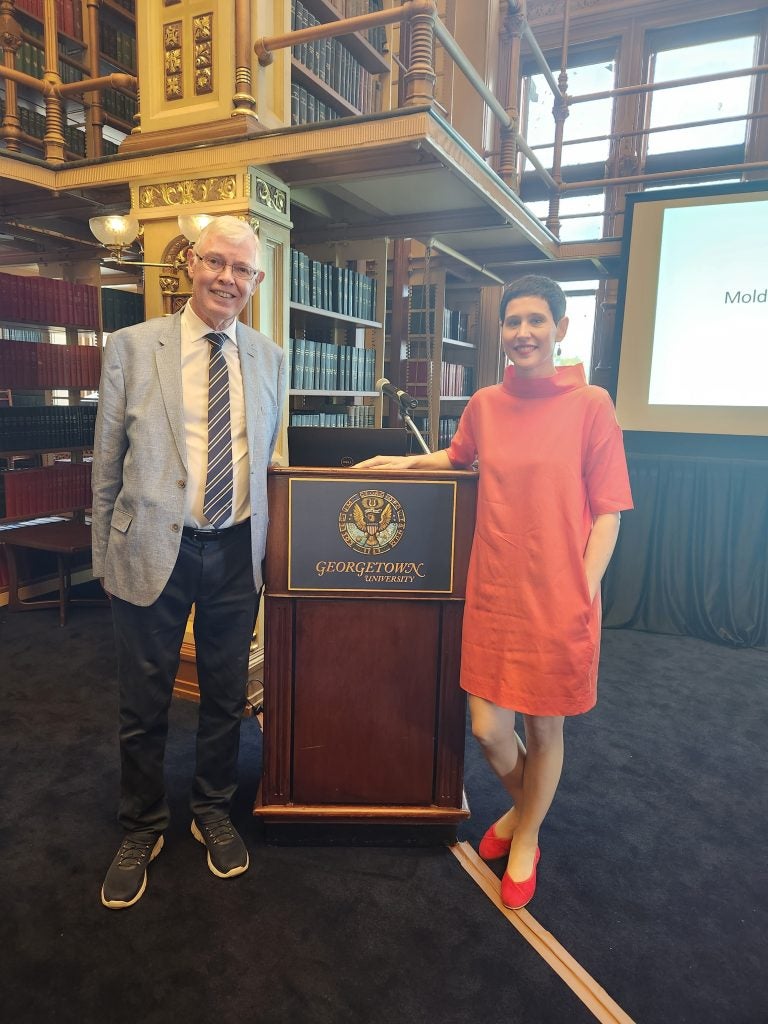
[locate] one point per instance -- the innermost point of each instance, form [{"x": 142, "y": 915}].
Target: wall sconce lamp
[{"x": 118, "y": 232}]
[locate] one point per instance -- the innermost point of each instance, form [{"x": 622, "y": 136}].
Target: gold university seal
[{"x": 371, "y": 522}]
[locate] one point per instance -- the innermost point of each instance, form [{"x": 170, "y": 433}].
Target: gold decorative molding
[
  {"x": 268, "y": 195},
  {"x": 202, "y": 34},
  {"x": 176, "y": 302},
  {"x": 192, "y": 190},
  {"x": 10, "y": 30},
  {"x": 172, "y": 63}
]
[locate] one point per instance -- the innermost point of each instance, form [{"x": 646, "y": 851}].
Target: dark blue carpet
[{"x": 652, "y": 873}]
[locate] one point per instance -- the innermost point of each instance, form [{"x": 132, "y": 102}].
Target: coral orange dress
[{"x": 551, "y": 458}]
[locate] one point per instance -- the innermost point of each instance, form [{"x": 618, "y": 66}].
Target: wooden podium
[{"x": 363, "y": 715}]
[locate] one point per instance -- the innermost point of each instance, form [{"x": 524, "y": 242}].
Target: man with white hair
[{"x": 189, "y": 412}]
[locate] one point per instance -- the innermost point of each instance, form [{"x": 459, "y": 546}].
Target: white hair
[{"x": 231, "y": 228}]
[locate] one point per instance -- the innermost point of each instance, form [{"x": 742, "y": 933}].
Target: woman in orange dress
[{"x": 553, "y": 482}]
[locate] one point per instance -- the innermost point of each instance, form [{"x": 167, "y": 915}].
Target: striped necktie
[{"x": 217, "y": 503}]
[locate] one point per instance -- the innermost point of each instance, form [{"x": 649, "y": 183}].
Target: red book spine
[
  {"x": 24, "y": 303},
  {"x": 28, "y": 357},
  {"x": 41, "y": 370},
  {"x": 10, "y": 494},
  {"x": 94, "y": 321}
]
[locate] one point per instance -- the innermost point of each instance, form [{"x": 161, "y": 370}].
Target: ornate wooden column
[
  {"x": 509, "y": 79},
  {"x": 10, "y": 37},
  {"x": 53, "y": 139},
  {"x": 94, "y": 113},
  {"x": 420, "y": 77},
  {"x": 196, "y": 72},
  {"x": 560, "y": 111},
  {"x": 243, "y": 101}
]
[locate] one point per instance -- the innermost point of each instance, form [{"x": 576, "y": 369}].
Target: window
[
  {"x": 581, "y": 216},
  {"x": 582, "y": 306},
  {"x": 584, "y": 120},
  {"x": 706, "y": 100}
]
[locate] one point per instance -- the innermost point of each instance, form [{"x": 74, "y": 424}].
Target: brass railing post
[
  {"x": 94, "y": 109},
  {"x": 10, "y": 35},
  {"x": 244, "y": 101},
  {"x": 53, "y": 141},
  {"x": 512, "y": 25},
  {"x": 420, "y": 77},
  {"x": 560, "y": 112}
]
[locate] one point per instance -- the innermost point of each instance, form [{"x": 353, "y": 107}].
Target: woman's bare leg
[
  {"x": 494, "y": 729},
  {"x": 543, "y": 767}
]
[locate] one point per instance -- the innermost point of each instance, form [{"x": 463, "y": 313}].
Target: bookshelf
[
  {"x": 441, "y": 346},
  {"x": 48, "y": 344},
  {"x": 340, "y": 77},
  {"x": 30, "y": 59},
  {"x": 335, "y": 342},
  {"x": 120, "y": 308},
  {"x": 117, "y": 52},
  {"x": 116, "y": 48}
]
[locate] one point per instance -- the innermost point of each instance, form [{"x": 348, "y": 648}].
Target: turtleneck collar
[{"x": 565, "y": 378}]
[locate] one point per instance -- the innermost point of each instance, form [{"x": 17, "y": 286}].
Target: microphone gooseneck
[{"x": 403, "y": 399}]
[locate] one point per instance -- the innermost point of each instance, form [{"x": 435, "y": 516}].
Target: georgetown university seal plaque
[{"x": 371, "y": 522}]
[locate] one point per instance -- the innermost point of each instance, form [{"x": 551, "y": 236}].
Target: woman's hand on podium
[{"x": 437, "y": 460}]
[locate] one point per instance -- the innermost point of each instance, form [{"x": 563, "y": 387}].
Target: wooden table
[{"x": 63, "y": 539}]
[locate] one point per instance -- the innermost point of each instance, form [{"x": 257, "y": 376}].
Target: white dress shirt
[{"x": 195, "y": 361}]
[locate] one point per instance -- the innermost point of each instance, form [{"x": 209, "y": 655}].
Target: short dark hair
[{"x": 540, "y": 286}]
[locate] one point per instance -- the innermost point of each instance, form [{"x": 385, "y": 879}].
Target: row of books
[
  {"x": 69, "y": 15},
  {"x": 75, "y": 138},
  {"x": 18, "y": 333},
  {"x": 48, "y": 300},
  {"x": 421, "y": 315},
  {"x": 119, "y": 46},
  {"x": 456, "y": 380},
  {"x": 377, "y": 36},
  {"x": 63, "y": 487},
  {"x": 47, "y": 428},
  {"x": 421, "y": 310},
  {"x": 27, "y": 365},
  {"x": 336, "y": 289},
  {"x": 31, "y": 60},
  {"x": 306, "y": 108},
  {"x": 120, "y": 309},
  {"x": 32, "y": 122},
  {"x": 333, "y": 64},
  {"x": 455, "y": 324},
  {"x": 119, "y": 104},
  {"x": 323, "y": 366},
  {"x": 348, "y": 416},
  {"x": 447, "y": 427}
]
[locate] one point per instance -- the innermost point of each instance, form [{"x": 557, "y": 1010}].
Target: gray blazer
[{"x": 140, "y": 458}]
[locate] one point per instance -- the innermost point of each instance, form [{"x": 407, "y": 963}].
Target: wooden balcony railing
[{"x": 423, "y": 31}]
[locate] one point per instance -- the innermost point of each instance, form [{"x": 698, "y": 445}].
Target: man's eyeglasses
[{"x": 242, "y": 271}]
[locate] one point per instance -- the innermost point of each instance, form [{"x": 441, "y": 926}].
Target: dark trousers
[{"x": 217, "y": 577}]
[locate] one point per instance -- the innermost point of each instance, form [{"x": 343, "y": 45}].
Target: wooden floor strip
[{"x": 594, "y": 997}]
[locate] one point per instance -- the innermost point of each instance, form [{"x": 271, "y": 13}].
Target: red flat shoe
[
  {"x": 492, "y": 846},
  {"x": 515, "y": 895}
]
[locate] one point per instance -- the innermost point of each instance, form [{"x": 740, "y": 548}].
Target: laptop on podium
[{"x": 343, "y": 446}]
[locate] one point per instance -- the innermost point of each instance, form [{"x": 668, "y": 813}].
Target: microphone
[{"x": 401, "y": 397}]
